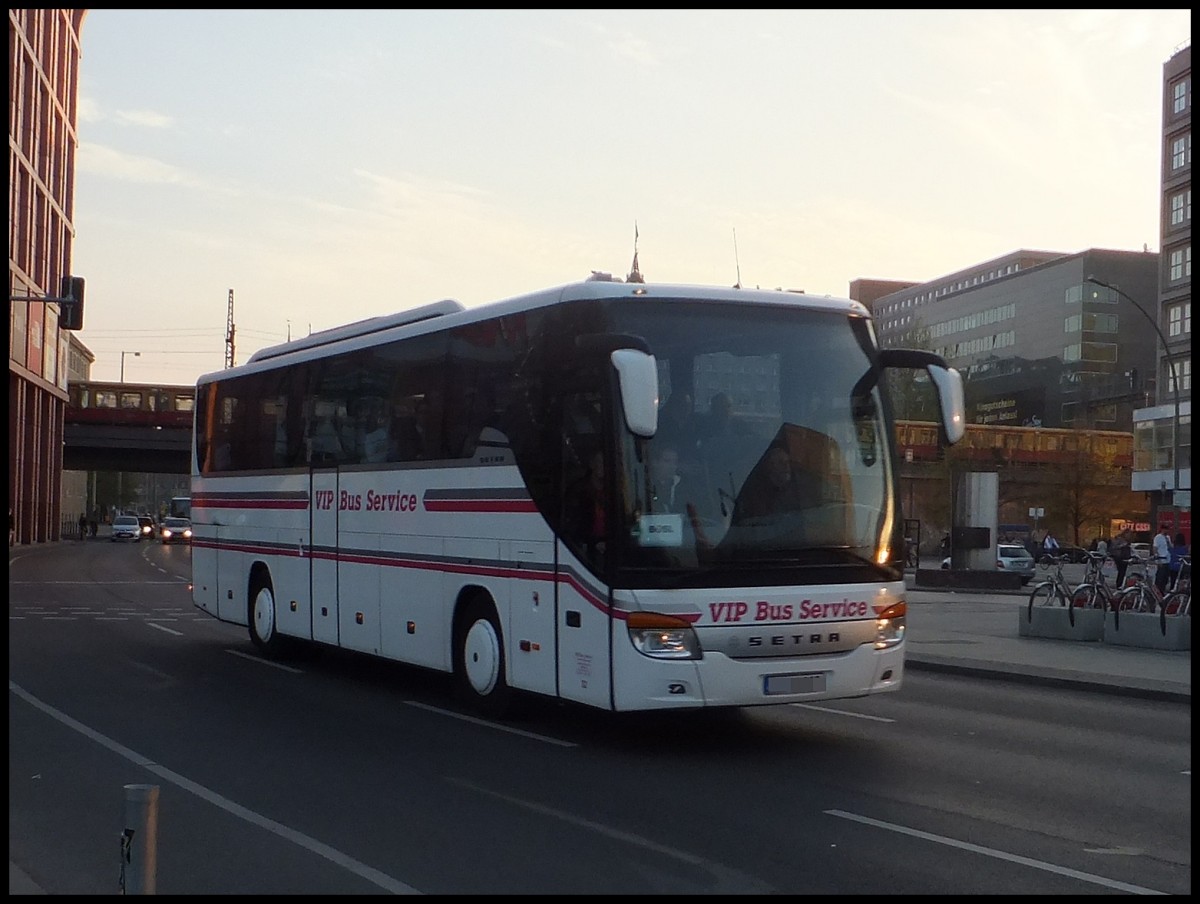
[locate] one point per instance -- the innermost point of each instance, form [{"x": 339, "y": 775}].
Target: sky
[{"x": 332, "y": 165}]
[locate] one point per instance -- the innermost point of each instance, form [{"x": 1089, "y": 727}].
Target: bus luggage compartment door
[{"x": 323, "y": 556}]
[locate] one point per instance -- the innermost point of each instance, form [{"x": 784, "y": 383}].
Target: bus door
[
  {"x": 323, "y": 554},
  {"x": 584, "y": 614}
]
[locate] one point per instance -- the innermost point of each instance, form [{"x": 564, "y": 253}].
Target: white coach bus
[{"x": 632, "y": 496}]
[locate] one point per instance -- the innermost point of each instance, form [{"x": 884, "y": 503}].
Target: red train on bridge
[
  {"x": 997, "y": 444},
  {"x": 130, "y": 404}
]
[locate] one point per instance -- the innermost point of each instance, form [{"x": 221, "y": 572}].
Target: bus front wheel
[
  {"x": 264, "y": 630},
  {"x": 479, "y": 662}
]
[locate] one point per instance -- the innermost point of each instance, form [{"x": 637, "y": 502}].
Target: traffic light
[{"x": 71, "y": 305}]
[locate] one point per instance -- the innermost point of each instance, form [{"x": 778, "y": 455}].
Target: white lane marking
[
  {"x": 999, "y": 855},
  {"x": 261, "y": 661},
  {"x": 730, "y": 881},
  {"x": 486, "y": 724},
  {"x": 384, "y": 881},
  {"x": 841, "y": 712},
  {"x": 164, "y": 629}
]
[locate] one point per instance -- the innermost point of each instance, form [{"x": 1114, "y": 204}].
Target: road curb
[{"x": 1049, "y": 678}]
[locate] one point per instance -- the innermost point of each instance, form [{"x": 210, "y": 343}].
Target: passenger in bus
[
  {"x": 324, "y": 441},
  {"x": 772, "y": 487},
  {"x": 664, "y": 478},
  {"x": 371, "y": 432}
]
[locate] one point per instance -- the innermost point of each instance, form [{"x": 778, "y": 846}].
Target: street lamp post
[
  {"x": 123, "y": 354},
  {"x": 1174, "y": 386}
]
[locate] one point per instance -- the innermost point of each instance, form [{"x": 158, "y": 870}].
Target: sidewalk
[{"x": 975, "y": 632}]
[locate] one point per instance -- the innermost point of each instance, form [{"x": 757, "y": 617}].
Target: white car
[
  {"x": 1010, "y": 557},
  {"x": 1143, "y": 551},
  {"x": 126, "y": 527}
]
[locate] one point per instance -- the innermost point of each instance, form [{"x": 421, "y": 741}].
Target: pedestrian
[
  {"x": 1162, "y": 558},
  {"x": 83, "y": 526},
  {"x": 94, "y": 523},
  {"x": 1049, "y": 544},
  {"x": 1179, "y": 549},
  {"x": 1102, "y": 546},
  {"x": 1121, "y": 552}
]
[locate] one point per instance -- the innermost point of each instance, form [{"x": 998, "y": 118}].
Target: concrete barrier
[
  {"x": 1147, "y": 630},
  {"x": 968, "y": 580},
  {"x": 1054, "y": 622}
]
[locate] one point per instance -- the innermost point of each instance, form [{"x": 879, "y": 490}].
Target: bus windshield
[{"x": 771, "y": 447}]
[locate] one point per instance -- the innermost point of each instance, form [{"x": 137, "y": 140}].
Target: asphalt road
[{"x": 333, "y": 773}]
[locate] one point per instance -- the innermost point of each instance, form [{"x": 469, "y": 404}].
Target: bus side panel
[
  {"x": 414, "y": 609},
  {"x": 530, "y": 627},
  {"x": 583, "y": 628},
  {"x": 232, "y": 578},
  {"x": 205, "y": 559},
  {"x": 323, "y": 556}
]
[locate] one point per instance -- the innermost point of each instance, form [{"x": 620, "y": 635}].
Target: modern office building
[
  {"x": 1163, "y": 456},
  {"x": 1038, "y": 343},
  {"x": 43, "y": 83}
]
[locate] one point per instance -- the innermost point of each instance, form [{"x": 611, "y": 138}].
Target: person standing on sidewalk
[
  {"x": 83, "y": 526},
  {"x": 1162, "y": 558},
  {"x": 1121, "y": 552}
]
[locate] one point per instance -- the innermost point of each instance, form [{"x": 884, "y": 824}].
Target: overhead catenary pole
[{"x": 229, "y": 355}]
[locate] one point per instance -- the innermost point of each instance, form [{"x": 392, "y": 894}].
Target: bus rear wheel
[
  {"x": 479, "y": 661},
  {"x": 264, "y": 629}
]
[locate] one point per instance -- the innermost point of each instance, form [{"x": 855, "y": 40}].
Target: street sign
[{"x": 1037, "y": 513}]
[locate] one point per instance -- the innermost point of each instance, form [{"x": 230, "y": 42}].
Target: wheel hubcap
[
  {"x": 264, "y": 614},
  {"x": 481, "y": 657}
]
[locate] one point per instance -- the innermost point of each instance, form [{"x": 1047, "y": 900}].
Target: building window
[
  {"x": 1181, "y": 264},
  {"x": 1099, "y": 351},
  {"x": 1073, "y": 323},
  {"x": 1181, "y": 152},
  {"x": 1071, "y": 353},
  {"x": 1179, "y": 319},
  {"x": 1100, "y": 323},
  {"x": 1074, "y": 294},
  {"x": 1183, "y": 368},
  {"x": 1182, "y": 95},
  {"x": 1181, "y": 208}
]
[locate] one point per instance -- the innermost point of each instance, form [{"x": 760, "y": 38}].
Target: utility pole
[{"x": 229, "y": 360}]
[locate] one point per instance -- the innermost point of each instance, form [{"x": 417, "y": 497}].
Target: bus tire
[
  {"x": 264, "y": 628},
  {"x": 479, "y": 660}
]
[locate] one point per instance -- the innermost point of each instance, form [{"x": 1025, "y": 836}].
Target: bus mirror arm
[{"x": 946, "y": 381}]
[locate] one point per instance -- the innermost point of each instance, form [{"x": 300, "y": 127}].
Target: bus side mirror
[
  {"x": 949, "y": 385},
  {"x": 637, "y": 376},
  {"x": 946, "y": 381}
]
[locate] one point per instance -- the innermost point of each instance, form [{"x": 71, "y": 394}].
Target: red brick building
[{"x": 43, "y": 87}]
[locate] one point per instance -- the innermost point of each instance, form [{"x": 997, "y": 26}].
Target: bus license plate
[{"x": 806, "y": 683}]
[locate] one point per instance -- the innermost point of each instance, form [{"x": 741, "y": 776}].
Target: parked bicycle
[
  {"x": 1139, "y": 593},
  {"x": 1054, "y": 589},
  {"x": 1095, "y": 592},
  {"x": 1178, "y": 600}
]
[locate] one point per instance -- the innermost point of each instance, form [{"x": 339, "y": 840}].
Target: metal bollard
[{"x": 139, "y": 841}]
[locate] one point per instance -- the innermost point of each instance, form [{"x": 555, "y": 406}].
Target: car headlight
[
  {"x": 663, "y": 636},
  {"x": 187, "y": 533},
  {"x": 166, "y": 534}
]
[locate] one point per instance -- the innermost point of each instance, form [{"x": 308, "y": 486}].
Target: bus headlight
[
  {"x": 663, "y": 636},
  {"x": 889, "y": 626}
]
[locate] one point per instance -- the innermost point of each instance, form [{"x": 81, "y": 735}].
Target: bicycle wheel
[
  {"x": 1175, "y": 604},
  {"x": 1045, "y": 594},
  {"x": 1088, "y": 596}
]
